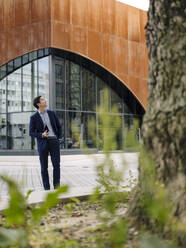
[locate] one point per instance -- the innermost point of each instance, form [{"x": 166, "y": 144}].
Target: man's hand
[{"x": 45, "y": 134}]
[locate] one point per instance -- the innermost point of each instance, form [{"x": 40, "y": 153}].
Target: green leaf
[
  {"x": 118, "y": 234},
  {"x": 28, "y": 193},
  {"x": 96, "y": 195},
  {"x": 109, "y": 202},
  {"x": 10, "y": 237},
  {"x": 15, "y": 213},
  {"x": 75, "y": 199},
  {"x": 152, "y": 241},
  {"x": 51, "y": 200}
]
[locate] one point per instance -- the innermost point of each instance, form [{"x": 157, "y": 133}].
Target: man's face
[{"x": 42, "y": 103}]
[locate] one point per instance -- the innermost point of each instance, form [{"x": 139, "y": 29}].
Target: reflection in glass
[
  {"x": 88, "y": 125},
  {"x": 127, "y": 110},
  {"x": 29, "y": 85},
  {"x": 3, "y": 96},
  {"x": 17, "y": 63},
  {"x": 2, "y": 71},
  {"x": 116, "y": 101},
  {"x": 101, "y": 88},
  {"x": 73, "y": 90},
  {"x": 61, "y": 116},
  {"x": 128, "y": 121},
  {"x": 78, "y": 131},
  {"x": 88, "y": 91},
  {"x": 43, "y": 69},
  {"x": 3, "y": 132},
  {"x": 73, "y": 129},
  {"x": 18, "y": 131},
  {"x": 60, "y": 83},
  {"x": 14, "y": 91},
  {"x": 114, "y": 128}
]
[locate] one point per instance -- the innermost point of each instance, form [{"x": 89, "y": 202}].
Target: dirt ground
[{"x": 77, "y": 228}]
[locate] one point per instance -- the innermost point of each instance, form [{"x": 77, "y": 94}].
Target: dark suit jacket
[{"x": 36, "y": 127}]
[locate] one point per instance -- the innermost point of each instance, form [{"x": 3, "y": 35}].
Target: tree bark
[{"x": 164, "y": 124}]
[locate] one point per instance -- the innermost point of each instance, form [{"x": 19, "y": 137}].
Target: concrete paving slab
[{"x": 77, "y": 171}]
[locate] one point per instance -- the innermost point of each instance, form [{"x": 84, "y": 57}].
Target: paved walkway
[{"x": 77, "y": 171}]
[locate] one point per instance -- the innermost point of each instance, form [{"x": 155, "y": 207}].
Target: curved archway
[{"x": 60, "y": 76}]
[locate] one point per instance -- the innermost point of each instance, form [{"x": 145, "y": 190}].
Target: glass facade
[{"x": 77, "y": 91}]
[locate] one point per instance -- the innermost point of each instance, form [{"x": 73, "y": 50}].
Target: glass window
[
  {"x": 46, "y": 51},
  {"x": 14, "y": 91},
  {"x": 18, "y": 131},
  {"x": 127, "y": 110},
  {"x": 88, "y": 91},
  {"x": 10, "y": 66},
  {"x": 3, "y": 96},
  {"x": 29, "y": 85},
  {"x": 3, "y": 139},
  {"x": 60, "y": 82},
  {"x": 32, "y": 56},
  {"x": 128, "y": 121},
  {"x": 78, "y": 131},
  {"x": 43, "y": 67},
  {"x": 2, "y": 71},
  {"x": 40, "y": 53},
  {"x": 116, "y": 102},
  {"x": 73, "y": 87},
  {"x": 101, "y": 88},
  {"x": 73, "y": 129},
  {"x": 17, "y": 63},
  {"x": 113, "y": 126},
  {"x": 25, "y": 59},
  {"x": 88, "y": 129},
  {"x": 61, "y": 116}
]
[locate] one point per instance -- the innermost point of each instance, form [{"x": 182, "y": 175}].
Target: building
[{"x": 69, "y": 51}]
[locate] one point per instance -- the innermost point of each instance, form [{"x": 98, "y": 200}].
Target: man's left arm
[{"x": 59, "y": 128}]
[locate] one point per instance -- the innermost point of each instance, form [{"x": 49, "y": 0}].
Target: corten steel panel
[
  {"x": 40, "y": 10},
  {"x": 134, "y": 24},
  {"x": 121, "y": 21},
  {"x": 121, "y": 55},
  {"x": 78, "y": 40},
  {"x": 94, "y": 15},
  {"x": 143, "y": 21},
  {"x": 3, "y": 46},
  {"x": 61, "y": 35},
  {"x": 108, "y": 58},
  {"x": 20, "y": 40},
  {"x": 22, "y": 12},
  {"x": 60, "y": 11},
  {"x": 134, "y": 58},
  {"x": 143, "y": 61},
  {"x": 39, "y": 35},
  {"x": 139, "y": 86},
  {"x": 143, "y": 92},
  {"x": 9, "y": 14},
  {"x": 108, "y": 17},
  {"x": 94, "y": 44},
  {"x": 108, "y": 32},
  {"x": 1, "y": 15},
  {"x": 78, "y": 14}
]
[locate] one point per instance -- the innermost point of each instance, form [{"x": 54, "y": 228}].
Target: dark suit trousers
[{"x": 52, "y": 146}]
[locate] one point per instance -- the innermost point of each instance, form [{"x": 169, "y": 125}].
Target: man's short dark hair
[{"x": 36, "y": 101}]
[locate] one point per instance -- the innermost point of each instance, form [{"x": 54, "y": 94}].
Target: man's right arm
[{"x": 32, "y": 129}]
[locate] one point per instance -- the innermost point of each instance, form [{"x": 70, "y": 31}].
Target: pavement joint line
[{"x": 79, "y": 174}]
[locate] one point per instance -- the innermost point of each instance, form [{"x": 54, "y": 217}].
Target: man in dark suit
[{"x": 45, "y": 126}]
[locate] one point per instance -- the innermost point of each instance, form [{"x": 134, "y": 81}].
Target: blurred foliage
[
  {"x": 19, "y": 219},
  {"x": 153, "y": 203}
]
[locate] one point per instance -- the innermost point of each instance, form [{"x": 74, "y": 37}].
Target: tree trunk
[{"x": 164, "y": 125}]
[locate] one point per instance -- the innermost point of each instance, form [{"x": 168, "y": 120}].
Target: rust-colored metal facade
[{"x": 107, "y": 32}]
